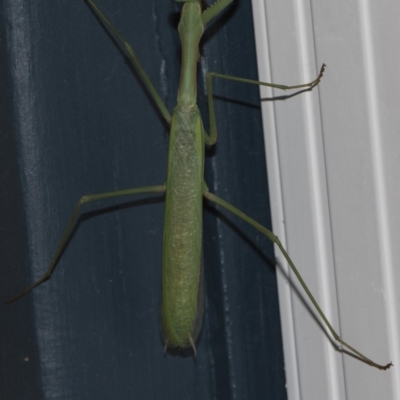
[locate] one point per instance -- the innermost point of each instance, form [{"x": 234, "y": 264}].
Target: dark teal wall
[{"x": 75, "y": 120}]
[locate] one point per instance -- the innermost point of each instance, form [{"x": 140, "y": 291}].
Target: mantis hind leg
[
  {"x": 71, "y": 223},
  {"x": 273, "y": 238}
]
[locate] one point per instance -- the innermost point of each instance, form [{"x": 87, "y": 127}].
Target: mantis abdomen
[{"x": 181, "y": 299}]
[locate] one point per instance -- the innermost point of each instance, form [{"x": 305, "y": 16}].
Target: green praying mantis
[{"x": 185, "y": 187}]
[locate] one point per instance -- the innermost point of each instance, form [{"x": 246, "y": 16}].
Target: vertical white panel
[{"x": 333, "y": 158}]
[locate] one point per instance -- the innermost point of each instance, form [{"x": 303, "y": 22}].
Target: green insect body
[
  {"x": 183, "y": 229},
  {"x": 181, "y": 315},
  {"x": 182, "y": 289}
]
